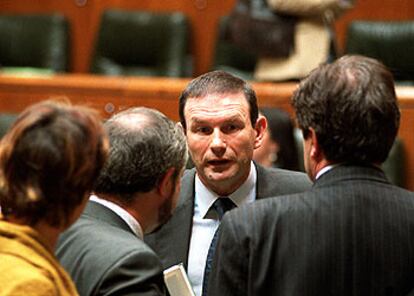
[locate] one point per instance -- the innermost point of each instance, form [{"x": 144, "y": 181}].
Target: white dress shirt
[
  {"x": 325, "y": 170},
  {"x": 122, "y": 213},
  {"x": 205, "y": 223}
]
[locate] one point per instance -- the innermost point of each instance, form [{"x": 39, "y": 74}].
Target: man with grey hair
[{"x": 135, "y": 193}]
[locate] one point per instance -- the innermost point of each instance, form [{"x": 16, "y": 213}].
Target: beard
[
  {"x": 164, "y": 214},
  {"x": 165, "y": 211}
]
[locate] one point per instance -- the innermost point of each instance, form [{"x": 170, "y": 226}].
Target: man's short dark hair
[
  {"x": 49, "y": 161},
  {"x": 218, "y": 82},
  {"x": 144, "y": 145},
  {"x": 352, "y": 106}
]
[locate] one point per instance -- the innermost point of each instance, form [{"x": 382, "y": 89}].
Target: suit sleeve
[
  {"x": 138, "y": 273},
  {"x": 229, "y": 269}
]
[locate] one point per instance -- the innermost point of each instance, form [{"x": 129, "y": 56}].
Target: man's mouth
[{"x": 219, "y": 162}]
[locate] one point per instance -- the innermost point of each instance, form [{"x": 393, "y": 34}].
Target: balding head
[{"x": 144, "y": 145}]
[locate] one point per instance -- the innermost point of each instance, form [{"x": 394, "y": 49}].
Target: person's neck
[
  {"x": 319, "y": 166},
  {"x": 137, "y": 208},
  {"x": 49, "y": 233}
]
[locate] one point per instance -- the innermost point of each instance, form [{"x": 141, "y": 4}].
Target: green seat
[
  {"x": 142, "y": 44},
  {"x": 34, "y": 41},
  {"x": 6, "y": 120},
  {"x": 231, "y": 58},
  {"x": 390, "y": 42}
]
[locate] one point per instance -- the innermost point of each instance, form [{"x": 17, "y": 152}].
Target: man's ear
[
  {"x": 315, "y": 151},
  {"x": 260, "y": 128},
  {"x": 166, "y": 184}
]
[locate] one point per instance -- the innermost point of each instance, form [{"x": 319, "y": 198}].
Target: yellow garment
[{"x": 27, "y": 266}]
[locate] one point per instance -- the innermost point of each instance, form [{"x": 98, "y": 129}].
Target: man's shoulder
[
  {"x": 275, "y": 182},
  {"x": 95, "y": 247},
  {"x": 94, "y": 239},
  {"x": 188, "y": 176},
  {"x": 261, "y": 217},
  {"x": 98, "y": 255},
  {"x": 101, "y": 231},
  {"x": 187, "y": 189},
  {"x": 282, "y": 173}
]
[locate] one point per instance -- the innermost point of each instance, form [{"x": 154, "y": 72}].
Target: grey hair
[{"x": 144, "y": 145}]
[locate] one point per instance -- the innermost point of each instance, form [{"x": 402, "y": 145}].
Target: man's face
[{"x": 221, "y": 139}]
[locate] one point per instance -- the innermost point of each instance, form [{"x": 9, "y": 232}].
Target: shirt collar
[
  {"x": 205, "y": 197},
  {"x": 122, "y": 213},
  {"x": 325, "y": 170}
]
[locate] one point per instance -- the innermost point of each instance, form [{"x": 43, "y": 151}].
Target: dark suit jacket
[
  {"x": 352, "y": 234},
  {"x": 104, "y": 257},
  {"x": 172, "y": 241}
]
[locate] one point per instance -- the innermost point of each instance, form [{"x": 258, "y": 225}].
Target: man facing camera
[
  {"x": 219, "y": 114},
  {"x": 352, "y": 234},
  {"x": 135, "y": 193}
]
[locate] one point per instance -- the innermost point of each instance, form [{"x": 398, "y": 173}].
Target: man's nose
[{"x": 218, "y": 143}]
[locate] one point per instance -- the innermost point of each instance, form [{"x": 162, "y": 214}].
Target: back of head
[
  {"x": 144, "y": 145},
  {"x": 218, "y": 82},
  {"x": 48, "y": 162},
  {"x": 352, "y": 106}
]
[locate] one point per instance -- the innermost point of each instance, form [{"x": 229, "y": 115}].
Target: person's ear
[
  {"x": 166, "y": 184},
  {"x": 315, "y": 150},
  {"x": 260, "y": 128}
]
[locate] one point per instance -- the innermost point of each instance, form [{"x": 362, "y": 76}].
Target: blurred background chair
[
  {"x": 229, "y": 57},
  {"x": 390, "y": 42},
  {"x": 34, "y": 41},
  {"x": 143, "y": 44},
  {"x": 6, "y": 120}
]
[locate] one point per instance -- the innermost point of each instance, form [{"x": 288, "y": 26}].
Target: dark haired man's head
[
  {"x": 219, "y": 83},
  {"x": 352, "y": 108},
  {"x": 220, "y": 117}
]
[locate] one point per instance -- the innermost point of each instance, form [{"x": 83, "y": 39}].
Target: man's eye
[
  {"x": 230, "y": 128},
  {"x": 203, "y": 130}
]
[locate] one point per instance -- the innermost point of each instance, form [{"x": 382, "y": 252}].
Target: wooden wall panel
[
  {"x": 203, "y": 14},
  {"x": 111, "y": 94}
]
